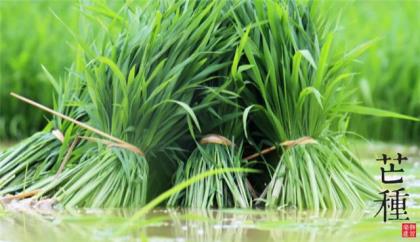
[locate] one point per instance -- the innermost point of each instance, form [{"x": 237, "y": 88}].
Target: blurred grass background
[
  {"x": 31, "y": 36},
  {"x": 387, "y": 77}
]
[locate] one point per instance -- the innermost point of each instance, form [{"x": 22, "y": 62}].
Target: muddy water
[
  {"x": 189, "y": 225},
  {"x": 224, "y": 225}
]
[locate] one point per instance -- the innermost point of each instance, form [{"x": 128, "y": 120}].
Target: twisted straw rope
[
  {"x": 287, "y": 144},
  {"x": 215, "y": 139}
]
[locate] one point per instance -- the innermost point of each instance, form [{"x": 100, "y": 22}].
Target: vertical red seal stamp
[{"x": 408, "y": 230}]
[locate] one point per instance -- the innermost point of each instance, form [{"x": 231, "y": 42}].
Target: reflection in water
[
  {"x": 237, "y": 225},
  {"x": 37, "y": 227},
  {"x": 196, "y": 225},
  {"x": 324, "y": 226},
  {"x": 208, "y": 225}
]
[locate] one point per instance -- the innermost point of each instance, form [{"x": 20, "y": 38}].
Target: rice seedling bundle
[
  {"x": 41, "y": 156},
  {"x": 216, "y": 151},
  {"x": 219, "y": 191},
  {"x": 296, "y": 97},
  {"x": 139, "y": 86}
]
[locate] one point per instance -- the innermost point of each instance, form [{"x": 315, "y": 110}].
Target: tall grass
[
  {"x": 41, "y": 156},
  {"x": 140, "y": 83},
  {"x": 219, "y": 191},
  {"x": 220, "y": 146},
  {"x": 31, "y": 36},
  {"x": 294, "y": 80}
]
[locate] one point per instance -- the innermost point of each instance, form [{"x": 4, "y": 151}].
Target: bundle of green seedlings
[
  {"x": 139, "y": 80},
  {"x": 129, "y": 105},
  {"x": 388, "y": 74},
  {"x": 298, "y": 99},
  {"x": 43, "y": 155},
  {"x": 217, "y": 150},
  {"x": 31, "y": 36}
]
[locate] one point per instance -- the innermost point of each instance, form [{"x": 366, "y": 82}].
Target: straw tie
[
  {"x": 111, "y": 144},
  {"x": 58, "y": 134},
  {"x": 215, "y": 139},
  {"x": 24, "y": 195},
  {"x": 301, "y": 141},
  {"x": 287, "y": 144}
]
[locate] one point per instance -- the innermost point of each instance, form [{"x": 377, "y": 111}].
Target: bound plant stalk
[
  {"x": 137, "y": 90},
  {"x": 287, "y": 60},
  {"x": 24, "y": 164},
  {"x": 219, "y": 191},
  {"x": 43, "y": 153},
  {"x": 287, "y": 144}
]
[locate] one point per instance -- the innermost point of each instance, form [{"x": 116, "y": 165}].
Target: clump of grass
[
  {"x": 19, "y": 168},
  {"x": 221, "y": 191},
  {"x": 139, "y": 85},
  {"x": 40, "y": 156},
  {"x": 294, "y": 77},
  {"x": 221, "y": 127}
]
